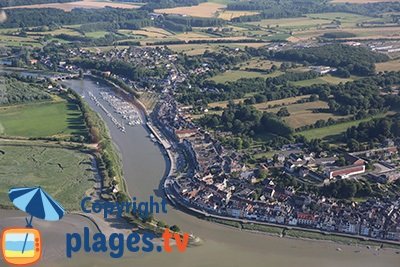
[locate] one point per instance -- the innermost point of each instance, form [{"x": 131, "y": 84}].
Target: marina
[{"x": 128, "y": 112}]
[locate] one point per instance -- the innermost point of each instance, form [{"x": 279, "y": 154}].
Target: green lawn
[
  {"x": 321, "y": 133},
  {"x": 42, "y": 119},
  {"x": 66, "y": 174}
]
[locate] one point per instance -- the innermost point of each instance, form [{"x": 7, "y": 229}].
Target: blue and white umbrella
[{"x": 37, "y": 203}]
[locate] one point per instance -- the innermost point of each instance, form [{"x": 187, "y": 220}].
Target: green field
[
  {"x": 66, "y": 174},
  {"x": 303, "y": 113},
  {"x": 61, "y": 119},
  {"x": 96, "y": 34},
  {"x": 7, "y": 40},
  {"x": 310, "y": 21},
  {"x": 233, "y": 75},
  {"x": 322, "y": 80},
  {"x": 346, "y": 19},
  {"x": 259, "y": 63},
  {"x": 290, "y": 23},
  {"x": 321, "y": 133}
]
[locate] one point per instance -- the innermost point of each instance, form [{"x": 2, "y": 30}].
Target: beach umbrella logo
[{"x": 23, "y": 246}]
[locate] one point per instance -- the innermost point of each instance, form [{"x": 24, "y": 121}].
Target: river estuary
[{"x": 144, "y": 166}]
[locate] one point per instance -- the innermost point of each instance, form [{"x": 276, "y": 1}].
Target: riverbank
[
  {"x": 144, "y": 164},
  {"x": 285, "y": 232},
  {"x": 123, "y": 193},
  {"x": 275, "y": 229},
  {"x": 245, "y": 224}
]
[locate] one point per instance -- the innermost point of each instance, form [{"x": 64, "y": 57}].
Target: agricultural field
[
  {"x": 322, "y": 80},
  {"x": 330, "y": 131},
  {"x": 96, "y": 34},
  {"x": 376, "y": 32},
  {"x": 315, "y": 21},
  {"x": 59, "y": 119},
  {"x": 187, "y": 36},
  {"x": 281, "y": 102},
  {"x": 393, "y": 65},
  {"x": 233, "y": 75},
  {"x": 290, "y": 23},
  {"x": 261, "y": 106},
  {"x": 64, "y": 173},
  {"x": 258, "y": 63},
  {"x": 69, "y": 31},
  {"x": 224, "y": 104},
  {"x": 207, "y": 10},
  {"x": 151, "y": 37},
  {"x": 229, "y": 14},
  {"x": 361, "y": 33},
  {"x": 346, "y": 19},
  {"x": 7, "y": 40},
  {"x": 194, "y": 49},
  {"x": 150, "y": 32},
  {"x": 302, "y": 114},
  {"x": 81, "y": 4}
]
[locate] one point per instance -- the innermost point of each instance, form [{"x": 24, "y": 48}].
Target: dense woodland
[
  {"x": 6, "y": 3},
  {"x": 150, "y": 4},
  {"x": 246, "y": 120},
  {"x": 118, "y": 67},
  {"x": 294, "y": 8},
  {"x": 155, "y": 4},
  {"x": 346, "y": 189},
  {"x": 361, "y": 97},
  {"x": 183, "y": 24},
  {"x": 348, "y": 59},
  {"x": 110, "y": 19},
  {"x": 338, "y": 35},
  {"x": 50, "y": 16},
  {"x": 375, "y": 130}
]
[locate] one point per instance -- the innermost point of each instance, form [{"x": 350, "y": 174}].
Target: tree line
[
  {"x": 294, "y": 8},
  {"x": 360, "y": 97},
  {"x": 7, "y": 3},
  {"x": 374, "y": 130},
  {"x": 14, "y": 91},
  {"x": 156, "y": 4},
  {"x": 246, "y": 120},
  {"x": 118, "y": 67},
  {"x": 348, "y": 59},
  {"x": 34, "y": 17}
]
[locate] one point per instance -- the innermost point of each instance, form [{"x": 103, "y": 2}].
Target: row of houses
[{"x": 223, "y": 185}]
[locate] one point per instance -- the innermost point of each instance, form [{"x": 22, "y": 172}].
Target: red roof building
[{"x": 346, "y": 171}]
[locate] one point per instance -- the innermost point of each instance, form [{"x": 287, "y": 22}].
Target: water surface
[{"x": 144, "y": 166}]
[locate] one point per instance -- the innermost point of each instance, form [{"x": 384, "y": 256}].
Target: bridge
[{"x": 64, "y": 77}]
